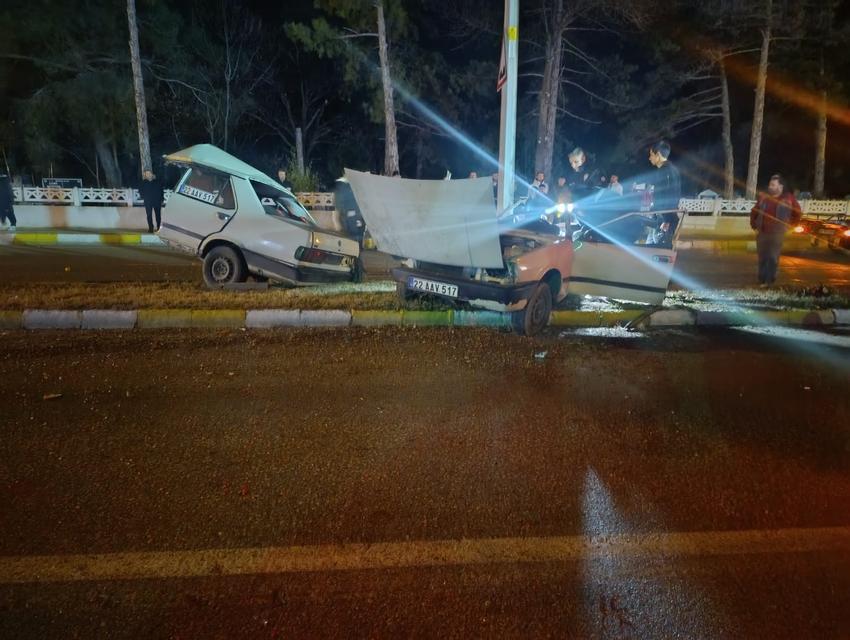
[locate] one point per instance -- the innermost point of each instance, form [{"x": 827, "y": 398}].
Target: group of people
[{"x": 598, "y": 199}]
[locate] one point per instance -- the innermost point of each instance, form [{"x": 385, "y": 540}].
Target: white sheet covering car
[{"x": 240, "y": 222}]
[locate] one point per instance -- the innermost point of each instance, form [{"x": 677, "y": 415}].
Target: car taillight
[{"x": 307, "y": 254}]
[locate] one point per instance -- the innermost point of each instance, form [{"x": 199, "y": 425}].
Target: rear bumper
[
  {"x": 467, "y": 290},
  {"x": 300, "y": 274}
]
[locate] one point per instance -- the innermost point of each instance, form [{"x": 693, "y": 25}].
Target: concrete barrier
[
  {"x": 51, "y": 319},
  {"x": 326, "y": 318},
  {"x": 367, "y": 318},
  {"x": 269, "y": 318},
  {"x": 11, "y": 319},
  {"x": 481, "y": 319},
  {"x": 233, "y": 318},
  {"x": 672, "y": 318},
  {"x": 108, "y": 319},
  {"x": 426, "y": 318},
  {"x": 164, "y": 318}
]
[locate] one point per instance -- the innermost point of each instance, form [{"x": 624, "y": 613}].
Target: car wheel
[
  {"x": 223, "y": 265},
  {"x": 534, "y": 318},
  {"x": 814, "y": 241}
]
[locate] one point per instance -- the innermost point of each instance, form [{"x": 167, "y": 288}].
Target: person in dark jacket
[
  {"x": 7, "y": 201},
  {"x": 774, "y": 213},
  {"x": 152, "y": 194},
  {"x": 666, "y": 193},
  {"x": 583, "y": 179}
]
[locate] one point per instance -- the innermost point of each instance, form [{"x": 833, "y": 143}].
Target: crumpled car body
[
  {"x": 240, "y": 222},
  {"x": 458, "y": 248}
]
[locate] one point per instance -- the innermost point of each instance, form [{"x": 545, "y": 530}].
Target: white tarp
[{"x": 450, "y": 222}]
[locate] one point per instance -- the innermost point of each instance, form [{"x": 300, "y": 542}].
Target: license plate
[
  {"x": 431, "y": 286},
  {"x": 826, "y": 232}
]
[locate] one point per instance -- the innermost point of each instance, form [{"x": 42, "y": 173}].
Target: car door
[
  {"x": 270, "y": 229},
  {"x": 623, "y": 260},
  {"x": 202, "y": 204}
]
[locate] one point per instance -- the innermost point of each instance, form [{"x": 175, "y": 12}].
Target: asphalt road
[
  {"x": 106, "y": 263},
  {"x": 424, "y": 483}
]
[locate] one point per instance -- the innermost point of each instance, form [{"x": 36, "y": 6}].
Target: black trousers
[
  {"x": 153, "y": 208},
  {"x": 10, "y": 214},
  {"x": 769, "y": 247}
]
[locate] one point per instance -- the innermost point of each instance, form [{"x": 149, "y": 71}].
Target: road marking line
[{"x": 390, "y": 555}]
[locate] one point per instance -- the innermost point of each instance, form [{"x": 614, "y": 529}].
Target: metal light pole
[{"x": 507, "y": 131}]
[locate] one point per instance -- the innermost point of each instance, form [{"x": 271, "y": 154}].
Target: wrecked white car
[
  {"x": 460, "y": 250},
  {"x": 240, "y": 222}
]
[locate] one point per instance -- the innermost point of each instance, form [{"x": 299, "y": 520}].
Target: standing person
[
  {"x": 583, "y": 177},
  {"x": 774, "y": 213},
  {"x": 7, "y": 201},
  {"x": 152, "y": 194},
  {"x": 281, "y": 178},
  {"x": 473, "y": 175},
  {"x": 615, "y": 184},
  {"x": 666, "y": 193},
  {"x": 538, "y": 187}
]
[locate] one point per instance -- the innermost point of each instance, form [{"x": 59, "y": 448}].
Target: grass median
[{"x": 185, "y": 295}]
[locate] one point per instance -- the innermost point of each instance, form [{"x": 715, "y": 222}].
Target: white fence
[
  {"x": 321, "y": 201},
  {"x": 717, "y": 207},
  {"x": 127, "y": 197}
]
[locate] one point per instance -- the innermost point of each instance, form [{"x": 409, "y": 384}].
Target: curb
[
  {"x": 54, "y": 238},
  {"x": 97, "y": 319}
]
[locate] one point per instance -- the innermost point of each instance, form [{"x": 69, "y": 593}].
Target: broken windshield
[{"x": 280, "y": 203}]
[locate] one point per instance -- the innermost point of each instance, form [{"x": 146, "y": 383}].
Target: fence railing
[
  {"x": 324, "y": 201},
  {"x": 128, "y": 197},
  {"x": 718, "y": 207}
]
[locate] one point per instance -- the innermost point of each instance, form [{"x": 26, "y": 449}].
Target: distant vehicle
[
  {"x": 240, "y": 222},
  {"x": 458, "y": 250},
  {"x": 834, "y": 231}
]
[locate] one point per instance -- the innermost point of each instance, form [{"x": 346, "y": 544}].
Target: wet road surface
[
  {"x": 694, "y": 269},
  {"x": 397, "y": 483}
]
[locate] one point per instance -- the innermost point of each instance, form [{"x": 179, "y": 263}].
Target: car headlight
[{"x": 799, "y": 229}]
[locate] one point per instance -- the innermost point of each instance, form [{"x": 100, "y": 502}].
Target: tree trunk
[
  {"x": 139, "y": 90},
  {"x": 820, "y": 148},
  {"x": 110, "y": 170},
  {"x": 550, "y": 90},
  {"x": 728, "y": 149},
  {"x": 299, "y": 150},
  {"x": 758, "y": 108},
  {"x": 391, "y": 143}
]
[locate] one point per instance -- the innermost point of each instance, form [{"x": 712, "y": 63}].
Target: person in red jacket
[{"x": 774, "y": 213}]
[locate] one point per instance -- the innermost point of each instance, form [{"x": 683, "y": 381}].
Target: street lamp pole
[{"x": 507, "y": 130}]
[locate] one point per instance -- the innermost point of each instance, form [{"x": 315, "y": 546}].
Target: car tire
[
  {"x": 223, "y": 265},
  {"x": 814, "y": 241},
  {"x": 534, "y": 318}
]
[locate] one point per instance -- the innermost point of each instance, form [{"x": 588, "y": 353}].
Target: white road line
[{"x": 388, "y": 555}]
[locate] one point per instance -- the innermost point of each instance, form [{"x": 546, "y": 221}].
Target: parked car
[
  {"x": 511, "y": 264},
  {"x": 834, "y": 231},
  {"x": 239, "y": 221}
]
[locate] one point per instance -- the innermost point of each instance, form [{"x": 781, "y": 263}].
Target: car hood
[
  {"x": 208, "y": 155},
  {"x": 449, "y": 222}
]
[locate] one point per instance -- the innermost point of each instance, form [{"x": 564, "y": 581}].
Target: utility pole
[
  {"x": 507, "y": 130},
  {"x": 139, "y": 90}
]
